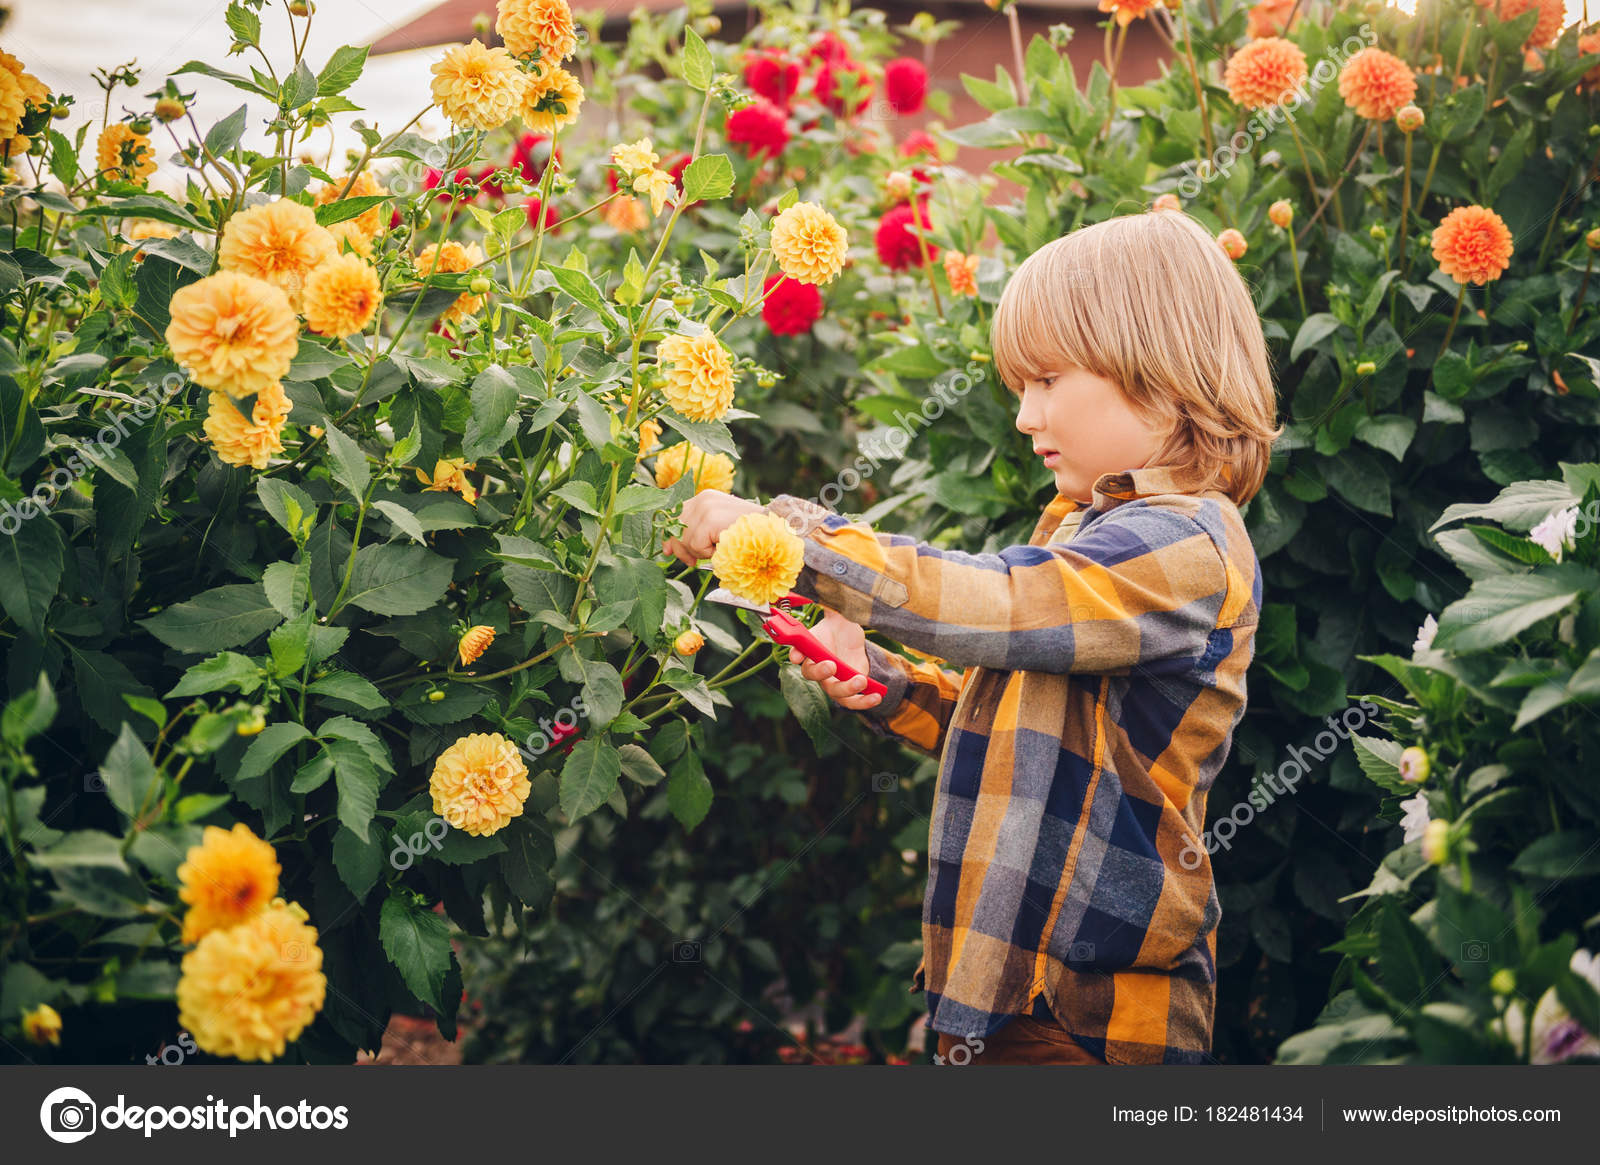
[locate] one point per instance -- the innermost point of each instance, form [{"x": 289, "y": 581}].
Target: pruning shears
[{"x": 784, "y": 628}]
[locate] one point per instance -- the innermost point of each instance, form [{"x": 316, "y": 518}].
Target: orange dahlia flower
[
  {"x": 1552, "y": 15},
  {"x": 225, "y": 879},
  {"x": 1128, "y": 10},
  {"x": 479, "y": 783},
  {"x": 1233, "y": 243},
  {"x": 1376, "y": 84},
  {"x": 252, "y": 440},
  {"x": 1270, "y": 18},
  {"x": 279, "y": 242},
  {"x": 1265, "y": 72},
  {"x": 474, "y": 643},
  {"x": 1472, "y": 244},
  {"x": 342, "y": 295}
]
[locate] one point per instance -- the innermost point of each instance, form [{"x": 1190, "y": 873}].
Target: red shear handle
[{"x": 790, "y": 632}]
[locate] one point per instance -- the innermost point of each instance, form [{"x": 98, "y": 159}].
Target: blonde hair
[{"x": 1152, "y": 303}]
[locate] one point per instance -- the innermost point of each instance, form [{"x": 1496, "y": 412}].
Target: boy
[{"x": 1104, "y": 661}]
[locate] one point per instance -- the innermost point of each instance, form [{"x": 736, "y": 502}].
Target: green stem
[{"x": 1451, "y": 330}]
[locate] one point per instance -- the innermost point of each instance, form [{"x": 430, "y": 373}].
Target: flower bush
[
  {"x": 321, "y": 494},
  {"x": 1472, "y": 943}
]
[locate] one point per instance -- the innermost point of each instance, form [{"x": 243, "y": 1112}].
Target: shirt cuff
[{"x": 896, "y": 683}]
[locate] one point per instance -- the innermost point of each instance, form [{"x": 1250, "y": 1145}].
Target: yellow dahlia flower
[
  {"x": 248, "y": 990},
  {"x": 474, "y": 643},
  {"x": 280, "y": 242},
  {"x": 252, "y": 440},
  {"x": 658, "y": 184},
  {"x": 13, "y": 102},
  {"x": 342, "y": 296},
  {"x": 227, "y": 878},
  {"x": 449, "y": 473},
  {"x": 625, "y": 214},
  {"x": 808, "y": 243},
  {"x": 634, "y": 157},
  {"x": 476, "y": 87},
  {"x": 148, "y": 228},
  {"x": 122, "y": 154},
  {"x": 479, "y": 783},
  {"x": 649, "y": 437},
  {"x": 370, "y": 221},
  {"x": 551, "y": 100},
  {"x": 42, "y": 1025},
  {"x": 233, "y": 332},
  {"x": 350, "y": 239},
  {"x": 699, "y": 376},
  {"x": 545, "y": 25},
  {"x": 758, "y": 557},
  {"x": 448, "y": 257},
  {"x": 711, "y": 470}
]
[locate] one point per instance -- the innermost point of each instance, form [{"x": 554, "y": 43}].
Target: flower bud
[
  {"x": 898, "y": 185},
  {"x": 480, "y": 285},
  {"x": 1281, "y": 213},
  {"x": 1366, "y": 368},
  {"x": 480, "y": 24},
  {"x": 301, "y": 8},
  {"x": 1519, "y": 347},
  {"x": 1409, "y": 118},
  {"x": 766, "y": 380},
  {"x": 61, "y": 112},
  {"x": 1378, "y": 232},
  {"x": 1503, "y": 981},
  {"x": 1414, "y": 766},
  {"x": 252, "y": 726},
  {"x": 140, "y": 125},
  {"x": 1233, "y": 244},
  {"x": 1436, "y": 842},
  {"x": 683, "y": 302},
  {"x": 169, "y": 109},
  {"x": 1592, "y": 239},
  {"x": 435, "y": 696},
  {"x": 1168, "y": 201},
  {"x": 688, "y": 643},
  {"x": 474, "y": 643}
]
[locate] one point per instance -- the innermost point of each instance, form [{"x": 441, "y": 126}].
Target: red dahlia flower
[
  {"x": 773, "y": 76},
  {"x": 898, "y": 248},
  {"x": 792, "y": 308},
  {"x": 551, "y": 217},
  {"x": 760, "y": 129},
  {"x": 531, "y": 154},
  {"x": 905, "y": 82},
  {"x": 828, "y": 48}
]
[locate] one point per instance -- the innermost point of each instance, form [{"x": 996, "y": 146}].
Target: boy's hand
[
  {"x": 849, "y": 642},
  {"x": 705, "y": 517}
]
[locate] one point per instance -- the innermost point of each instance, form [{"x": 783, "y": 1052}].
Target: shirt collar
[{"x": 1112, "y": 489}]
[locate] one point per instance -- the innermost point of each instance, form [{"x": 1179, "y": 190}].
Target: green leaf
[
  {"x": 808, "y": 703},
  {"x": 360, "y": 863},
  {"x": 688, "y": 791},
  {"x": 639, "y": 766},
  {"x": 358, "y": 782},
  {"x": 349, "y": 466},
  {"x": 1410, "y": 968},
  {"x": 528, "y": 861},
  {"x": 300, "y": 88},
  {"x": 1380, "y": 761},
  {"x": 225, "y": 616},
  {"x": 288, "y": 504},
  {"x": 1495, "y": 609},
  {"x": 1571, "y": 853},
  {"x": 580, "y": 287},
  {"x": 225, "y": 135},
  {"x": 270, "y": 743},
  {"x": 288, "y": 586},
  {"x": 588, "y": 777},
  {"x": 128, "y": 774},
  {"x": 243, "y": 23},
  {"x": 345, "y": 209},
  {"x": 580, "y": 495},
  {"x": 417, "y": 942},
  {"x": 1317, "y": 327},
  {"x": 29, "y": 714},
  {"x": 1452, "y": 376},
  {"x": 1520, "y": 506},
  {"x": 912, "y": 360},
  {"x": 226, "y": 670},
  {"x": 1391, "y": 432},
  {"x": 31, "y": 562},
  {"x": 342, "y": 69},
  {"x": 697, "y": 66},
  {"x": 350, "y": 688},
  {"x": 494, "y": 402},
  {"x": 82, "y": 847},
  {"x": 289, "y": 644},
  {"x": 710, "y": 176},
  {"x": 407, "y": 521},
  {"x": 398, "y": 580}
]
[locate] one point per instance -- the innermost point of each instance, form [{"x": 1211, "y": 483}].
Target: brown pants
[{"x": 1022, "y": 1041}]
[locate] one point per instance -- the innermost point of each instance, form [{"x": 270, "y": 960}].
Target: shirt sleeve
[
  {"x": 918, "y": 701},
  {"x": 1142, "y": 585}
]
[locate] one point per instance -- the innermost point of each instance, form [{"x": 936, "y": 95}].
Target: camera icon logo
[
  {"x": 885, "y": 782},
  {"x": 686, "y": 951},
  {"x": 1474, "y": 951},
  {"x": 67, "y": 1115}
]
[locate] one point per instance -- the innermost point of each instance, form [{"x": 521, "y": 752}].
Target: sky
[{"x": 62, "y": 42}]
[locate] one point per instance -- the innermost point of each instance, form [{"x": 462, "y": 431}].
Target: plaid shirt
[{"x": 1104, "y": 674}]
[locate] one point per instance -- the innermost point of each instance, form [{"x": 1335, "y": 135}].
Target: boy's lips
[{"x": 1049, "y": 455}]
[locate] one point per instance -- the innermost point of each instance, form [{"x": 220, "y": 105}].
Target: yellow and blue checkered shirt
[{"x": 1104, "y": 676}]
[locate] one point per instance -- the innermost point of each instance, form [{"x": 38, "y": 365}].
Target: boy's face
[{"x": 1086, "y": 428}]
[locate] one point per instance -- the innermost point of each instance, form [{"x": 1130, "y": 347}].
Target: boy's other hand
[
  {"x": 705, "y": 517},
  {"x": 849, "y": 642}
]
